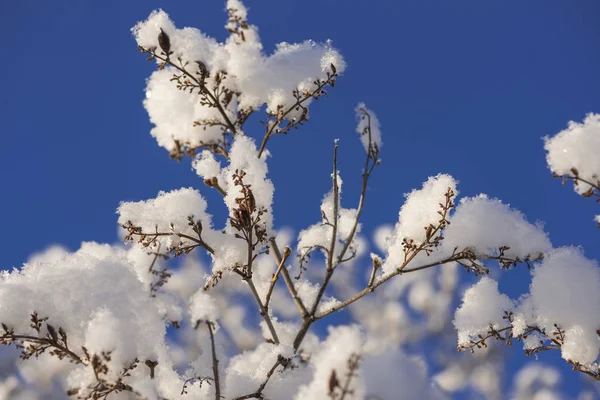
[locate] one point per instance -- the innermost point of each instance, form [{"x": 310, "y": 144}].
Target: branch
[
  {"x": 163, "y": 274},
  {"x": 275, "y": 278},
  {"x": 556, "y": 339},
  {"x": 56, "y": 339},
  {"x": 309, "y": 319},
  {"x": 200, "y": 84},
  {"x": 137, "y": 231},
  {"x": 258, "y": 394},
  {"x": 374, "y": 285},
  {"x": 334, "y": 383},
  {"x": 215, "y": 361},
  {"x": 9, "y": 337},
  {"x": 594, "y": 190},
  {"x": 288, "y": 280},
  {"x": 280, "y": 114},
  {"x": 372, "y": 154},
  {"x": 263, "y": 310}
]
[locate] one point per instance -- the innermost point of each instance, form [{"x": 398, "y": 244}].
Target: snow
[
  {"x": 367, "y": 120},
  {"x": 482, "y": 306},
  {"x": 576, "y": 147},
  {"x": 565, "y": 290},
  {"x": 341, "y": 344},
  {"x": 483, "y": 225},
  {"x": 168, "y": 213},
  {"x": 420, "y": 210},
  {"x": 258, "y": 78}
]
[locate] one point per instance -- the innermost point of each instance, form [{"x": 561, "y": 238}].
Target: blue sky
[{"x": 467, "y": 88}]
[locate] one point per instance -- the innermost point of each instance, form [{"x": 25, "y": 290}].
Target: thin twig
[
  {"x": 263, "y": 310},
  {"x": 288, "y": 280},
  {"x": 201, "y": 85},
  {"x": 215, "y": 361},
  {"x": 308, "y": 320},
  {"x": 384, "y": 279},
  {"x": 44, "y": 341},
  {"x": 352, "y": 368},
  {"x": 294, "y": 106},
  {"x": 367, "y": 170},
  {"x": 200, "y": 242},
  {"x": 258, "y": 394},
  {"x": 275, "y": 278}
]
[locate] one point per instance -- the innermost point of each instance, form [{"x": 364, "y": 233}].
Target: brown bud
[
  {"x": 164, "y": 42},
  {"x": 251, "y": 202},
  {"x": 574, "y": 171},
  {"x": 428, "y": 231},
  {"x": 52, "y": 332},
  {"x": 245, "y": 217},
  {"x": 286, "y": 252},
  {"x": 333, "y": 381},
  {"x": 376, "y": 263}
]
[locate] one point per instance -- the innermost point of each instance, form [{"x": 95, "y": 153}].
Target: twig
[
  {"x": 215, "y": 361},
  {"x": 275, "y": 278},
  {"x": 200, "y": 84},
  {"x": 353, "y": 362},
  {"x": 49, "y": 342},
  {"x": 372, "y": 154},
  {"x": 288, "y": 280},
  {"x": 137, "y": 232},
  {"x": 258, "y": 394},
  {"x": 309, "y": 319},
  {"x": 299, "y": 101},
  {"x": 375, "y": 285},
  {"x": 263, "y": 310},
  {"x": 594, "y": 187}
]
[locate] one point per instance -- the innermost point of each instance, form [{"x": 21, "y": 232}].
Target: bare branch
[
  {"x": 215, "y": 361},
  {"x": 263, "y": 311},
  {"x": 199, "y": 82},
  {"x": 259, "y": 392},
  {"x": 147, "y": 239},
  {"x": 281, "y": 265},
  {"x": 280, "y": 114},
  {"x": 288, "y": 280},
  {"x": 371, "y": 161},
  {"x": 376, "y": 284},
  {"x": 308, "y": 320}
]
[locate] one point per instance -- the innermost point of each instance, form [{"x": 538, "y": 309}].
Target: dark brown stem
[{"x": 45, "y": 341}]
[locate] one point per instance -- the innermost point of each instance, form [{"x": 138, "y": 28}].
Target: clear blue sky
[{"x": 463, "y": 87}]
